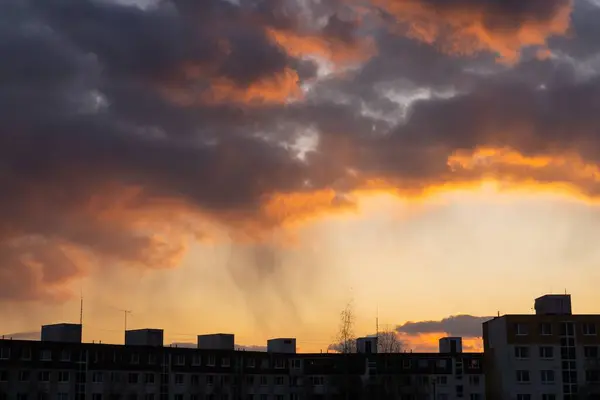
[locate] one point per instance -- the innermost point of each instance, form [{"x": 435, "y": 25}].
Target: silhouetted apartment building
[
  {"x": 549, "y": 355},
  {"x": 143, "y": 369}
]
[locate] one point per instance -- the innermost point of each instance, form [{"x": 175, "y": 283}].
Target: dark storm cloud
[
  {"x": 456, "y": 325},
  {"x": 94, "y": 155}
]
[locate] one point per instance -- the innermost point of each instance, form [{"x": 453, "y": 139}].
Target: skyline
[{"x": 250, "y": 166}]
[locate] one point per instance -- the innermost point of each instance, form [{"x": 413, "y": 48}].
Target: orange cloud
[
  {"x": 276, "y": 89},
  {"x": 333, "y": 50},
  {"x": 429, "y": 342},
  {"x": 469, "y": 27}
]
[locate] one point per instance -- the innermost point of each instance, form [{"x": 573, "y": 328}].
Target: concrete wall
[
  {"x": 144, "y": 337},
  {"x": 217, "y": 341},
  {"x": 66, "y": 333},
  {"x": 282, "y": 345}
]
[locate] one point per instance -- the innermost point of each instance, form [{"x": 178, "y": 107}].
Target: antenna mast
[
  {"x": 125, "y": 313},
  {"x": 81, "y": 309}
]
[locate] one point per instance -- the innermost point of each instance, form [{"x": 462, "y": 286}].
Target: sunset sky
[{"x": 251, "y": 166}]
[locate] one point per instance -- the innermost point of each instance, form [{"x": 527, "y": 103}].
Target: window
[
  {"x": 567, "y": 329},
  {"x": 264, "y": 363},
  {"x": 65, "y": 355},
  {"x": 590, "y": 351},
  {"x": 4, "y": 353},
  {"x": 26, "y": 353},
  {"x": 521, "y": 352},
  {"x": 225, "y": 362},
  {"x": 62, "y": 396},
  {"x": 151, "y": 359},
  {"x": 44, "y": 376},
  {"x": 548, "y": 397},
  {"x": 250, "y": 379},
  {"x": 459, "y": 391},
  {"x": 475, "y": 396},
  {"x": 196, "y": 360},
  {"x": 442, "y": 396},
  {"x": 523, "y": 376},
  {"x": 63, "y": 376},
  {"x": 318, "y": 380},
  {"x": 132, "y": 396},
  {"x": 264, "y": 397},
  {"x": 224, "y": 380},
  {"x": 40, "y": 396},
  {"x": 263, "y": 380},
  {"x": 46, "y": 355},
  {"x": 279, "y": 380},
  {"x": 545, "y": 329},
  {"x": 442, "y": 380},
  {"x": 135, "y": 358},
  {"x": 546, "y": 352},
  {"x": 150, "y": 379},
  {"x": 296, "y": 364},
  {"x": 523, "y": 397},
  {"x": 179, "y": 379},
  {"x": 406, "y": 364},
  {"x": 132, "y": 377},
  {"x": 180, "y": 359},
  {"x": 21, "y": 396},
  {"x": 96, "y": 396},
  {"x": 178, "y": 397},
  {"x": 279, "y": 363},
  {"x": 589, "y": 329},
  {"x": 97, "y": 377},
  {"x": 521, "y": 329},
  {"x": 279, "y": 397},
  {"x": 474, "y": 364},
  {"x": 441, "y": 363},
  {"x": 211, "y": 360},
  {"x": 474, "y": 380},
  {"x": 3, "y": 376},
  {"x": 24, "y": 376},
  {"x": 210, "y": 380},
  {"x": 547, "y": 376},
  {"x": 592, "y": 376},
  {"x": 250, "y": 363}
]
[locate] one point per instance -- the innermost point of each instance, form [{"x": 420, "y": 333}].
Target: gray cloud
[
  {"x": 95, "y": 135},
  {"x": 32, "y": 335},
  {"x": 456, "y": 325}
]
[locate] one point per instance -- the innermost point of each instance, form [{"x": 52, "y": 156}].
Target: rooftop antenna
[
  {"x": 126, "y": 312},
  {"x": 81, "y": 308}
]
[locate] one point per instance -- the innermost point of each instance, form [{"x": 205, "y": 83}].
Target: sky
[{"x": 252, "y": 166}]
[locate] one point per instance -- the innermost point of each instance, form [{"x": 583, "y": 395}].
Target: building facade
[
  {"x": 143, "y": 370},
  {"x": 549, "y": 355}
]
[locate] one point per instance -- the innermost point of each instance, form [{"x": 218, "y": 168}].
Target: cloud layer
[
  {"x": 456, "y": 325},
  {"x": 127, "y": 133}
]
